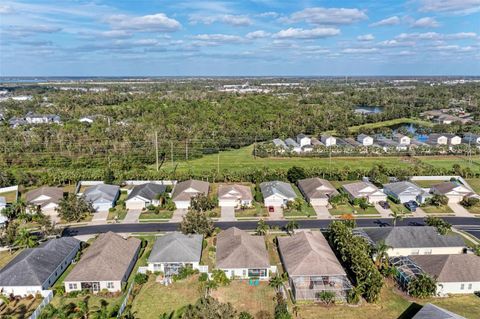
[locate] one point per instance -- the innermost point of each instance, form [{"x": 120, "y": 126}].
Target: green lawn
[
  {"x": 242, "y": 159},
  {"x": 354, "y": 210},
  {"x": 429, "y": 209},
  {"x": 10, "y": 197},
  {"x": 6, "y": 256},
  {"x": 427, "y": 184},
  {"x": 244, "y": 297},
  {"x": 392, "y": 304},
  {"x": 154, "y": 299},
  {"x": 474, "y": 210},
  {"x": 22, "y": 308},
  {"x": 208, "y": 254},
  {"x": 354, "y": 129},
  {"x": 163, "y": 214},
  {"x": 475, "y": 184}
]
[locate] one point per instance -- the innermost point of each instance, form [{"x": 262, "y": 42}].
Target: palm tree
[
  {"x": 25, "y": 239},
  {"x": 278, "y": 281},
  {"x": 397, "y": 215},
  {"x": 381, "y": 256},
  {"x": 129, "y": 314},
  {"x": 102, "y": 313},
  {"x": 83, "y": 308},
  {"x": 167, "y": 315},
  {"x": 262, "y": 228},
  {"x": 209, "y": 286},
  {"x": 291, "y": 226}
]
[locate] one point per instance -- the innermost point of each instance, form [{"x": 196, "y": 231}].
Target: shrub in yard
[
  {"x": 203, "y": 277},
  {"x": 281, "y": 308},
  {"x": 245, "y": 315},
  {"x": 59, "y": 290},
  {"x": 327, "y": 297},
  {"x": 422, "y": 286},
  {"x": 442, "y": 226},
  {"x": 140, "y": 278},
  {"x": 295, "y": 173},
  {"x": 184, "y": 272},
  {"x": 470, "y": 202},
  {"x": 438, "y": 200},
  {"x": 220, "y": 277}
]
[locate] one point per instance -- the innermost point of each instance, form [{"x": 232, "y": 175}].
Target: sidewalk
[
  {"x": 459, "y": 210},
  {"x": 132, "y": 216},
  {"x": 385, "y": 213}
]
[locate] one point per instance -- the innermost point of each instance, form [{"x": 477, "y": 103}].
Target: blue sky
[{"x": 256, "y": 37}]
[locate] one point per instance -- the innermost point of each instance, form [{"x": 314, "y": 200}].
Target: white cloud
[
  {"x": 436, "y": 36},
  {"x": 235, "y": 20},
  {"x": 298, "y": 33},
  {"x": 110, "y": 34},
  {"x": 269, "y": 14},
  {"x": 259, "y": 34},
  {"x": 450, "y": 6},
  {"x": 395, "y": 43},
  {"x": 386, "y": 22},
  {"x": 6, "y": 9},
  {"x": 148, "y": 23},
  {"x": 426, "y": 22},
  {"x": 322, "y": 16},
  {"x": 23, "y": 30},
  {"x": 218, "y": 37},
  {"x": 461, "y": 35},
  {"x": 359, "y": 50},
  {"x": 366, "y": 37}
]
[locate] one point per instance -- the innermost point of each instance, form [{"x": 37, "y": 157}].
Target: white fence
[
  {"x": 125, "y": 300},
  {"x": 86, "y": 183},
  {"x": 166, "y": 182},
  {"x": 47, "y": 297}
]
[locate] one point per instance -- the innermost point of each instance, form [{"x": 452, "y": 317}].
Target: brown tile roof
[
  {"x": 107, "y": 259},
  {"x": 180, "y": 194},
  {"x": 447, "y": 187},
  {"x": 54, "y": 193},
  {"x": 308, "y": 253},
  {"x": 234, "y": 191},
  {"x": 237, "y": 249},
  {"x": 450, "y": 268},
  {"x": 316, "y": 188}
]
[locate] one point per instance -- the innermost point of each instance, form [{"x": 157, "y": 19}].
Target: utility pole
[
  {"x": 186, "y": 149},
  {"x": 171, "y": 152},
  {"x": 156, "y": 147}
]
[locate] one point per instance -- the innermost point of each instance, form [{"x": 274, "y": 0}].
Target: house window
[
  {"x": 244, "y": 272},
  {"x": 415, "y": 252},
  {"x": 110, "y": 285},
  {"x": 462, "y": 286},
  {"x": 428, "y": 252},
  {"x": 469, "y": 286},
  {"x": 72, "y": 286}
]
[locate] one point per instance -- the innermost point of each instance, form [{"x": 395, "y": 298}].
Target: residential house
[
  {"x": 316, "y": 142},
  {"x": 33, "y": 118},
  {"x": 105, "y": 265},
  {"x": 406, "y": 191},
  {"x": 328, "y": 140},
  {"x": 364, "y": 190},
  {"x": 37, "y": 269},
  {"x": 174, "y": 251},
  {"x": 472, "y": 139},
  {"x": 144, "y": 195},
  {"x": 234, "y": 195},
  {"x": 241, "y": 255},
  {"x": 86, "y": 119},
  {"x": 303, "y": 140},
  {"x": 437, "y": 139},
  {"x": 455, "y": 274},
  {"x": 317, "y": 191},
  {"x": 16, "y": 122},
  {"x": 453, "y": 139},
  {"x": 413, "y": 240},
  {"x": 401, "y": 139},
  {"x": 454, "y": 191},
  {"x": 46, "y": 199},
  {"x": 294, "y": 146},
  {"x": 430, "y": 311},
  {"x": 3, "y": 203},
  {"x": 312, "y": 266},
  {"x": 279, "y": 144},
  {"x": 102, "y": 196},
  {"x": 183, "y": 192},
  {"x": 365, "y": 140},
  {"x": 277, "y": 194}
]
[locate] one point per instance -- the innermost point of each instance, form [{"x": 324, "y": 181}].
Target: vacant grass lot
[
  {"x": 427, "y": 184},
  {"x": 475, "y": 184},
  {"x": 242, "y": 159},
  {"x": 6, "y": 257},
  {"x": 244, "y": 297},
  {"x": 154, "y": 299},
  {"x": 10, "y": 197},
  {"x": 21, "y": 309},
  {"x": 429, "y": 209},
  {"x": 354, "y": 210}
]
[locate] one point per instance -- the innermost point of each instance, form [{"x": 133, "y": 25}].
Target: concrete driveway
[
  {"x": 227, "y": 213},
  {"x": 132, "y": 216},
  {"x": 100, "y": 217},
  {"x": 459, "y": 210},
  {"x": 178, "y": 215},
  {"x": 385, "y": 213},
  {"x": 277, "y": 214},
  {"x": 322, "y": 212},
  {"x": 419, "y": 213}
]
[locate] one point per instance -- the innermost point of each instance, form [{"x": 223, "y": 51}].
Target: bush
[
  {"x": 422, "y": 286},
  {"x": 220, "y": 277},
  {"x": 203, "y": 277},
  {"x": 245, "y": 315},
  {"x": 327, "y": 297},
  {"x": 295, "y": 173},
  {"x": 470, "y": 202},
  {"x": 442, "y": 226},
  {"x": 140, "y": 278},
  {"x": 184, "y": 272}
]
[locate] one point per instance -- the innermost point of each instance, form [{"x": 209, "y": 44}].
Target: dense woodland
[{"x": 192, "y": 118}]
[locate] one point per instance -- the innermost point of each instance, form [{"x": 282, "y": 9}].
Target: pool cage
[
  {"x": 407, "y": 270},
  {"x": 310, "y": 287}
]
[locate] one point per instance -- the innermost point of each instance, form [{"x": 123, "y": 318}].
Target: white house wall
[
  {"x": 242, "y": 273},
  {"x": 469, "y": 287},
  {"x": 425, "y": 251}
]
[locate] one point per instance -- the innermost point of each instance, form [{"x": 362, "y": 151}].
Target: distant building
[
  {"x": 33, "y": 118},
  {"x": 293, "y": 145},
  {"x": 303, "y": 140},
  {"x": 401, "y": 139},
  {"x": 365, "y": 140},
  {"x": 279, "y": 144},
  {"x": 183, "y": 192},
  {"x": 364, "y": 190},
  {"x": 328, "y": 140},
  {"x": 317, "y": 191},
  {"x": 277, "y": 194},
  {"x": 234, "y": 195}
]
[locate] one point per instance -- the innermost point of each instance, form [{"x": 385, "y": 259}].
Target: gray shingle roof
[
  {"x": 55, "y": 194},
  {"x": 177, "y": 247},
  {"x": 148, "y": 191},
  {"x": 309, "y": 254},
  {"x": 101, "y": 192},
  {"x": 237, "y": 249},
  {"x": 413, "y": 237},
  {"x": 180, "y": 191},
  {"x": 316, "y": 188},
  {"x": 33, "y": 266},
  {"x": 277, "y": 187},
  {"x": 430, "y": 311},
  {"x": 450, "y": 268},
  {"x": 403, "y": 187}
]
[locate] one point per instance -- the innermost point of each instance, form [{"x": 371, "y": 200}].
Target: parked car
[
  {"x": 411, "y": 205},
  {"x": 384, "y": 204}
]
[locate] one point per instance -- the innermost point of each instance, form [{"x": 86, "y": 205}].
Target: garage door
[
  {"x": 227, "y": 203},
  {"x": 135, "y": 205},
  {"x": 182, "y": 204}
]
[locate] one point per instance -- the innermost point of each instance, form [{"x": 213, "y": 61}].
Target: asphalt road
[{"x": 470, "y": 224}]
